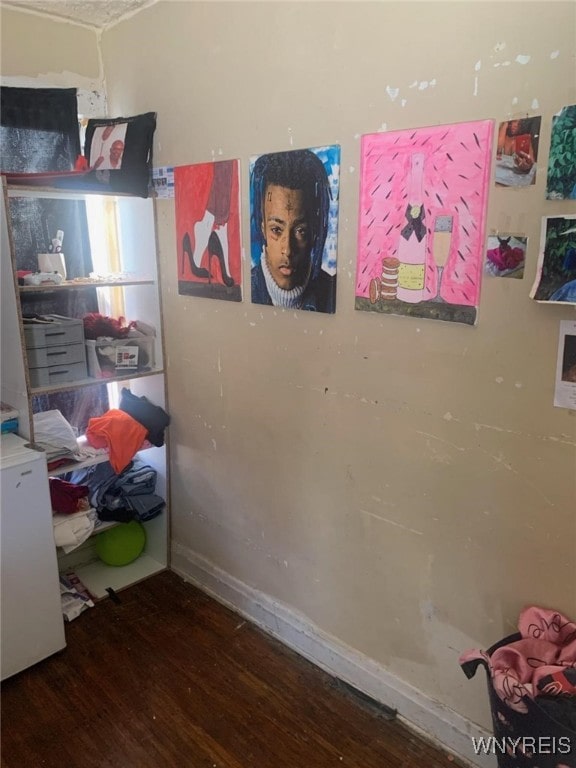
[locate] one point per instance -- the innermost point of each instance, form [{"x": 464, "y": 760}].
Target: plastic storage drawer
[
  {"x": 41, "y": 357},
  {"x": 56, "y": 331},
  {"x": 57, "y": 374}
]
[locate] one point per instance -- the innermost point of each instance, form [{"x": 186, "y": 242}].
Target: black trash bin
[{"x": 531, "y": 739}]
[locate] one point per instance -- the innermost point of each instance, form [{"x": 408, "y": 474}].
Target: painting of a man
[{"x": 294, "y": 203}]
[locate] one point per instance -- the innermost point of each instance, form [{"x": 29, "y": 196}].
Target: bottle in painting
[{"x": 412, "y": 247}]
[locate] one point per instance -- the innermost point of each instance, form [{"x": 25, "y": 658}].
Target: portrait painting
[
  {"x": 422, "y": 219},
  {"x": 207, "y": 202},
  {"x": 294, "y": 198}
]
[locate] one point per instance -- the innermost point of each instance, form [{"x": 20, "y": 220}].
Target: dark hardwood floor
[{"x": 169, "y": 677}]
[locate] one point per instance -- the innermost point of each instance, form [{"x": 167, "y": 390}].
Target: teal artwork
[{"x": 561, "y": 180}]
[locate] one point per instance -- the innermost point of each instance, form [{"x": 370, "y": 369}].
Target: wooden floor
[{"x": 168, "y": 677}]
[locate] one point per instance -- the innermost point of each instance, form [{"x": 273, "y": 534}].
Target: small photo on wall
[
  {"x": 517, "y": 152},
  {"x": 207, "y": 203},
  {"x": 505, "y": 255},
  {"x": 561, "y": 179},
  {"x": 556, "y": 273},
  {"x": 294, "y": 228},
  {"x": 565, "y": 391}
]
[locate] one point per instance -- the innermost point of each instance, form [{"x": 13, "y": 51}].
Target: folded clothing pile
[
  {"x": 122, "y": 497},
  {"x": 123, "y": 430},
  {"x": 72, "y": 530},
  {"x": 73, "y": 519},
  {"x": 56, "y": 437}
]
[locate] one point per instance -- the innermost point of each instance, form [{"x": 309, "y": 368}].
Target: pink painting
[{"x": 423, "y": 201}]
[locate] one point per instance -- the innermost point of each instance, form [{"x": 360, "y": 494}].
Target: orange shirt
[{"x": 119, "y": 433}]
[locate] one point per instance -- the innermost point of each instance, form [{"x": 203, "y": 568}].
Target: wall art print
[
  {"x": 565, "y": 389},
  {"x": 506, "y": 255},
  {"x": 556, "y": 270},
  {"x": 207, "y": 203},
  {"x": 422, "y": 219},
  {"x": 294, "y": 228},
  {"x": 517, "y": 152},
  {"x": 561, "y": 177}
]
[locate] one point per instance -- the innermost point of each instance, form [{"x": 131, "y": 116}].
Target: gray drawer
[
  {"x": 58, "y": 331},
  {"x": 57, "y": 374},
  {"x": 43, "y": 356}
]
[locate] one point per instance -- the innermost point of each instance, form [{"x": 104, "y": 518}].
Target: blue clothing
[
  {"x": 566, "y": 292},
  {"x": 319, "y": 296}
]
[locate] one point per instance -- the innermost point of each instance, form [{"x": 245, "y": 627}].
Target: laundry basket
[{"x": 531, "y": 739}]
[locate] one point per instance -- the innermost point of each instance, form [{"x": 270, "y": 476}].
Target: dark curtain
[
  {"x": 39, "y": 132},
  {"x": 39, "y": 129},
  {"x": 36, "y": 220}
]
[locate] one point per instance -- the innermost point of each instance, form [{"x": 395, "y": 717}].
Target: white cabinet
[
  {"x": 109, "y": 248},
  {"x": 32, "y": 625}
]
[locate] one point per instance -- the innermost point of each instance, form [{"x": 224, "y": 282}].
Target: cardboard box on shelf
[{"x": 114, "y": 357}]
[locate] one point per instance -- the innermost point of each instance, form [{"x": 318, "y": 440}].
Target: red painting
[{"x": 208, "y": 230}]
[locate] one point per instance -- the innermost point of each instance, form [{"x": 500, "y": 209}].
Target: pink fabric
[
  {"x": 505, "y": 257},
  {"x": 548, "y": 645}
]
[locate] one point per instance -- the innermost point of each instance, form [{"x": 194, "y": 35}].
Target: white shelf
[
  {"x": 128, "y": 263},
  {"x": 97, "y": 577},
  {"x": 70, "y": 386},
  {"x": 98, "y": 458},
  {"x": 76, "y": 285},
  {"x": 17, "y": 189}
]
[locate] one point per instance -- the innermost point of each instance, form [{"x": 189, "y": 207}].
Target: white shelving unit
[{"x": 123, "y": 246}]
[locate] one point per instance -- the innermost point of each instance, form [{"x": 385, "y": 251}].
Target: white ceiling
[{"x": 94, "y": 13}]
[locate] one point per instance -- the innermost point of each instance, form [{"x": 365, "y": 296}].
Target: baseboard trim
[{"x": 437, "y": 722}]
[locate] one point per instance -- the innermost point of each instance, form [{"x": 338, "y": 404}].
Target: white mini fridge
[{"x": 32, "y": 625}]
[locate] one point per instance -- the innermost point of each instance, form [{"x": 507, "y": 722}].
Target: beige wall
[
  {"x": 39, "y": 52},
  {"x": 406, "y": 485}
]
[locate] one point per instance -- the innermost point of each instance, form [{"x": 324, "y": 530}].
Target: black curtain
[
  {"x": 39, "y": 129},
  {"x": 39, "y": 132}
]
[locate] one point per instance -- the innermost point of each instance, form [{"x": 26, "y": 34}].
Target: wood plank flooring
[{"x": 169, "y": 677}]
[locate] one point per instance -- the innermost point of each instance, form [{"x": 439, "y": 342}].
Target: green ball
[{"x": 122, "y": 544}]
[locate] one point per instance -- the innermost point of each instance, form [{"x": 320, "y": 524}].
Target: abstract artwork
[
  {"x": 556, "y": 272},
  {"x": 561, "y": 177},
  {"x": 208, "y": 238},
  {"x": 294, "y": 228},
  {"x": 423, "y": 200}
]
